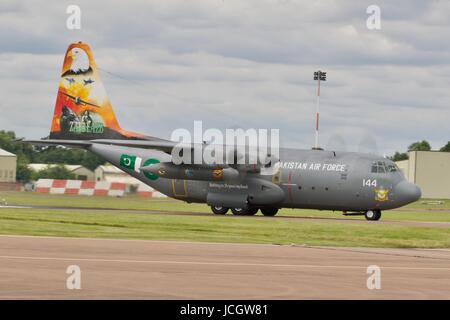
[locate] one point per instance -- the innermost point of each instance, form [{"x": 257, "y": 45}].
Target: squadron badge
[
  {"x": 217, "y": 174},
  {"x": 381, "y": 194}
]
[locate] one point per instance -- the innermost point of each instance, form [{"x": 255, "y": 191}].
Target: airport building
[
  {"x": 8, "y": 164},
  {"x": 113, "y": 174},
  {"x": 430, "y": 170},
  {"x": 80, "y": 172}
]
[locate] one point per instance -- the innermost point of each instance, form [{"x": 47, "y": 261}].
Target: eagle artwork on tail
[{"x": 82, "y": 109}]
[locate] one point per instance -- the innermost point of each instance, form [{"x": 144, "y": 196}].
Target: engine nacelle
[
  {"x": 259, "y": 192},
  {"x": 191, "y": 172},
  {"x": 263, "y": 193}
]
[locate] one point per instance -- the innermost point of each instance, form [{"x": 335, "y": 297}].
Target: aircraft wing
[{"x": 162, "y": 145}]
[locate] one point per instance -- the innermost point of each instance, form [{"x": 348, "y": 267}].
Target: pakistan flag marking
[
  {"x": 149, "y": 175},
  {"x": 130, "y": 162}
]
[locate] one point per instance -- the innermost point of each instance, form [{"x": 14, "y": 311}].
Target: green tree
[
  {"x": 23, "y": 151},
  {"x": 68, "y": 156},
  {"x": 27, "y": 153},
  {"x": 54, "y": 172},
  {"x": 20, "y": 149},
  {"x": 399, "y": 156},
  {"x": 445, "y": 148},
  {"x": 420, "y": 146},
  {"x": 23, "y": 173},
  {"x": 91, "y": 161}
]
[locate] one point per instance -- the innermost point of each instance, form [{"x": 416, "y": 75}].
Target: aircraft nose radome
[{"x": 408, "y": 192}]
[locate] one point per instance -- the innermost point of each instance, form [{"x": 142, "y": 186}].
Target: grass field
[
  {"x": 419, "y": 211},
  {"x": 109, "y": 224}
]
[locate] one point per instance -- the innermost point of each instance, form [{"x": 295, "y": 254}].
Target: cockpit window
[
  {"x": 383, "y": 167},
  {"x": 392, "y": 168}
]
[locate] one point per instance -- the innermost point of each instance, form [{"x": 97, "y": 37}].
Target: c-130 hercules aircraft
[{"x": 355, "y": 183}]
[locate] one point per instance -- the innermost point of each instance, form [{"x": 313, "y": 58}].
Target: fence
[
  {"x": 79, "y": 187},
  {"x": 92, "y": 188}
]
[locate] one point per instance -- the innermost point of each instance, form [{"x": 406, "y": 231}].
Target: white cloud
[{"x": 245, "y": 63}]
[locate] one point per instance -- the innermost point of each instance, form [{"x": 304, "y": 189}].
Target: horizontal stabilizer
[
  {"x": 163, "y": 145},
  {"x": 57, "y": 142}
]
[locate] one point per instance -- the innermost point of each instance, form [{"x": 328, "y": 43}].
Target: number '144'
[{"x": 369, "y": 182}]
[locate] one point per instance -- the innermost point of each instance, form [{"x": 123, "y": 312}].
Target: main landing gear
[
  {"x": 266, "y": 211},
  {"x": 219, "y": 210},
  {"x": 269, "y": 211},
  {"x": 244, "y": 211}
]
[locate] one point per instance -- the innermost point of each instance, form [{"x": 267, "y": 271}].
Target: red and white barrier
[
  {"x": 144, "y": 190},
  {"x": 79, "y": 187}
]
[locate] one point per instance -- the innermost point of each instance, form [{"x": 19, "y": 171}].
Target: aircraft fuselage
[{"x": 314, "y": 179}]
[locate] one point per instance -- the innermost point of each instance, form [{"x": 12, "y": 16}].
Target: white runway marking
[
  {"x": 237, "y": 264},
  {"x": 15, "y": 207}
]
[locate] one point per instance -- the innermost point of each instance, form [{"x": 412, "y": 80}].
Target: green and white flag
[{"x": 130, "y": 162}]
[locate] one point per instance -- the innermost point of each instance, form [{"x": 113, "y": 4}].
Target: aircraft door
[
  {"x": 288, "y": 181},
  {"x": 179, "y": 188}
]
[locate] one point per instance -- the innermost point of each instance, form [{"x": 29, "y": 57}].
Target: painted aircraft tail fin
[{"x": 82, "y": 109}]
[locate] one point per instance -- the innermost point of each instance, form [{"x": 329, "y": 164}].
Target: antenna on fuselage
[{"x": 318, "y": 76}]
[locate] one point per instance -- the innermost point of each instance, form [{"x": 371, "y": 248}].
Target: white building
[
  {"x": 430, "y": 170},
  {"x": 113, "y": 174},
  {"x": 8, "y": 163}
]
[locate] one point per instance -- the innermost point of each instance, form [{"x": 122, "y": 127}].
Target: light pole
[{"x": 319, "y": 76}]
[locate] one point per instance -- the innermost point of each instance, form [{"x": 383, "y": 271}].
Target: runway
[{"x": 35, "y": 268}]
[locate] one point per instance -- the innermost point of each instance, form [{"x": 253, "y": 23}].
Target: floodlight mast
[{"x": 319, "y": 76}]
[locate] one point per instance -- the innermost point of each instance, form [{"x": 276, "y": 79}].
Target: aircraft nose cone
[{"x": 407, "y": 192}]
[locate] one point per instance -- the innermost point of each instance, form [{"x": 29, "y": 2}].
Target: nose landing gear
[{"x": 373, "y": 215}]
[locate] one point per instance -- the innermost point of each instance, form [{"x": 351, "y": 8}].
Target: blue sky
[{"x": 245, "y": 64}]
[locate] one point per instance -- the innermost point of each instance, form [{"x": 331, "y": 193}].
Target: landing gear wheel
[
  {"x": 269, "y": 211},
  {"x": 219, "y": 210},
  {"x": 252, "y": 211},
  {"x": 373, "y": 215},
  {"x": 239, "y": 211}
]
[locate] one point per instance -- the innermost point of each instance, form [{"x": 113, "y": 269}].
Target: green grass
[
  {"x": 210, "y": 228},
  {"x": 99, "y": 224},
  {"x": 414, "y": 212}
]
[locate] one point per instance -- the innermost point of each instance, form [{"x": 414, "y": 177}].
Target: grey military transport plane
[{"x": 355, "y": 183}]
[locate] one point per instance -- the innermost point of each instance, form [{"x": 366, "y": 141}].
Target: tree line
[
  {"x": 27, "y": 154},
  {"x": 417, "y": 146}
]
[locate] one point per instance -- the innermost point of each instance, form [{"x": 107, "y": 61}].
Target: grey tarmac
[{"x": 35, "y": 268}]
